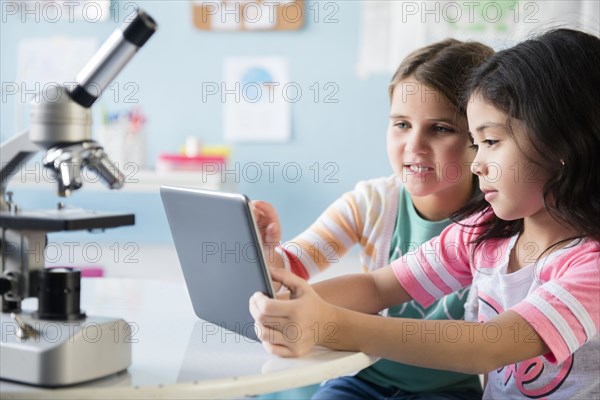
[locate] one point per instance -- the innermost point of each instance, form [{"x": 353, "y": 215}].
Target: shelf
[{"x": 135, "y": 181}]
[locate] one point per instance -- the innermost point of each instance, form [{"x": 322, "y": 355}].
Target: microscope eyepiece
[
  {"x": 140, "y": 29},
  {"x": 111, "y": 58}
]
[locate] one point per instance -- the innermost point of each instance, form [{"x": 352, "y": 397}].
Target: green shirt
[{"x": 410, "y": 232}]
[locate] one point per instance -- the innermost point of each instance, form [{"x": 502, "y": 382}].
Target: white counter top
[{"x": 176, "y": 355}]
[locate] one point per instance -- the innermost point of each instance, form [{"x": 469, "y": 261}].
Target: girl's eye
[
  {"x": 487, "y": 142},
  {"x": 401, "y": 125},
  {"x": 442, "y": 129},
  {"x": 490, "y": 142}
]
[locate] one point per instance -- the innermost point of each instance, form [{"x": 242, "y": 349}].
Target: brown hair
[{"x": 445, "y": 66}]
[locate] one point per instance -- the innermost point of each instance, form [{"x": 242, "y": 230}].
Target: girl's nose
[
  {"x": 417, "y": 142},
  {"x": 479, "y": 167}
]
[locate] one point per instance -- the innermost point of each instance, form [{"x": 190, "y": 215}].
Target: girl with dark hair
[{"x": 530, "y": 244}]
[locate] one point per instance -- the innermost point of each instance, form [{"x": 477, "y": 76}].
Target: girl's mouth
[{"x": 418, "y": 168}]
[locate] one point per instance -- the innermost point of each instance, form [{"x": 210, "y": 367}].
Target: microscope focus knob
[{"x": 5, "y": 285}]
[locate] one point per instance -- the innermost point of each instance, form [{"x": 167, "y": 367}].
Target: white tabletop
[{"x": 176, "y": 355}]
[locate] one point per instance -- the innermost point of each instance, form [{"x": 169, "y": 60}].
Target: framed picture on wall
[{"x": 248, "y": 15}]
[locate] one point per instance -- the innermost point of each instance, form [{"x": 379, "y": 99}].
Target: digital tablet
[{"x": 220, "y": 253}]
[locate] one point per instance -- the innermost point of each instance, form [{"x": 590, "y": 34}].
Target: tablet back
[{"x": 220, "y": 255}]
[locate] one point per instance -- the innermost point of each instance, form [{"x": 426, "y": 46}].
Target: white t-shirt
[{"x": 559, "y": 296}]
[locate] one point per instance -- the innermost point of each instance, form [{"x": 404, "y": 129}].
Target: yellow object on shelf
[{"x": 217, "y": 150}]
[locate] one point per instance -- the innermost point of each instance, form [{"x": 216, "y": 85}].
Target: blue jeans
[{"x": 354, "y": 388}]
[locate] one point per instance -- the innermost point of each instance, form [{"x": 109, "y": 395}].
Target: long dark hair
[{"x": 552, "y": 84}]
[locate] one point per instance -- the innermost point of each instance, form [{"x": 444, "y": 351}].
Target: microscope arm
[{"x": 17, "y": 151}]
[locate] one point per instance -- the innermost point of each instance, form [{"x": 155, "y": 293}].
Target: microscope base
[{"x": 64, "y": 352}]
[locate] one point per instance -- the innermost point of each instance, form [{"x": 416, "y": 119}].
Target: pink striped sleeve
[
  {"x": 565, "y": 310},
  {"x": 439, "y": 267}
]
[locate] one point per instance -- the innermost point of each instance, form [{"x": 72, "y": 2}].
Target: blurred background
[{"x": 176, "y": 116}]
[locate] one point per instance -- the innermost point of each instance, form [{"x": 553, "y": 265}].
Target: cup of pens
[{"x": 122, "y": 136}]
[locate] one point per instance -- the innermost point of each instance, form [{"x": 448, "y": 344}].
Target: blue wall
[{"x": 169, "y": 72}]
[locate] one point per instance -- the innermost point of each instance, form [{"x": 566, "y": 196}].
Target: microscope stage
[{"x": 63, "y": 220}]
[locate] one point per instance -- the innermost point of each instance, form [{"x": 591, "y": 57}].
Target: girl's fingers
[
  {"x": 278, "y": 350},
  {"x": 265, "y": 211},
  {"x": 265, "y": 307},
  {"x": 283, "y": 344},
  {"x": 268, "y": 320},
  {"x": 273, "y": 233},
  {"x": 296, "y": 285},
  {"x": 267, "y": 221}
]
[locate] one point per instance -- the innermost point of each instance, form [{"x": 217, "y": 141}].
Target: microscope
[{"x": 59, "y": 344}]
